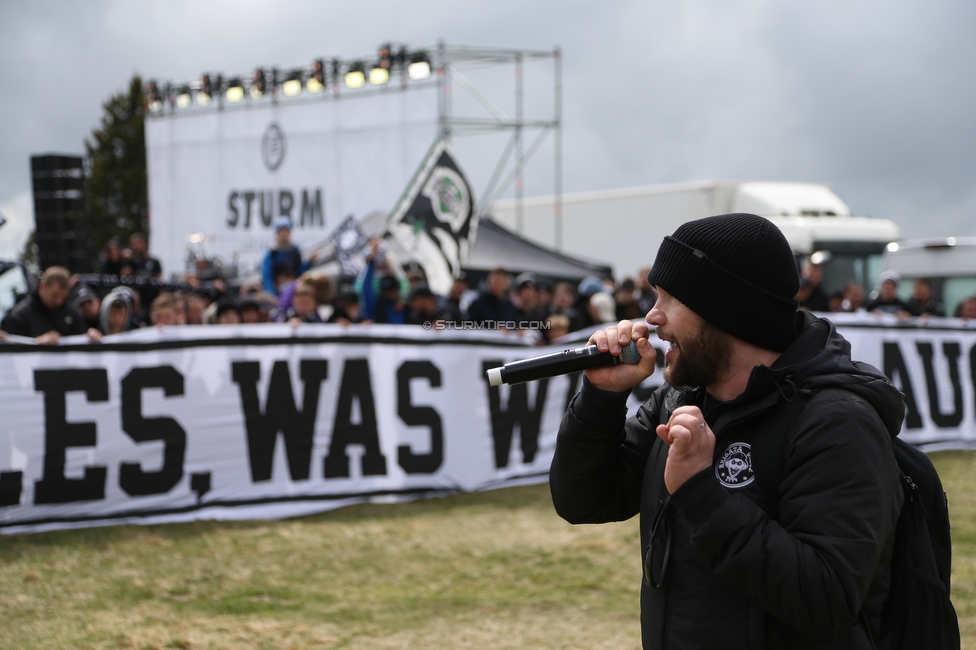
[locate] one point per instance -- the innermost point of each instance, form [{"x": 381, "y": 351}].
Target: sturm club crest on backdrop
[
  {"x": 273, "y": 147},
  {"x": 304, "y": 207}
]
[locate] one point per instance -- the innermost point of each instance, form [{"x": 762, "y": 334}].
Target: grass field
[{"x": 488, "y": 570}]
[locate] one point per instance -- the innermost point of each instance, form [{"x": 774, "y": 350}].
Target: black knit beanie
[{"x": 737, "y": 272}]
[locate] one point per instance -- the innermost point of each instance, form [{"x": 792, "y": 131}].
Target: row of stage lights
[{"x": 312, "y": 79}]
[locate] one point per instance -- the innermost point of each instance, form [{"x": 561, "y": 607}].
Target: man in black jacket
[
  {"x": 45, "y": 314},
  {"x": 763, "y": 524}
]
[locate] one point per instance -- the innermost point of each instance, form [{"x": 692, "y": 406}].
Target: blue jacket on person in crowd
[
  {"x": 375, "y": 306},
  {"x": 281, "y": 259}
]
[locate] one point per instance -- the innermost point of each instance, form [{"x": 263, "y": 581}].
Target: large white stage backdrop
[
  {"x": 230, "y": 422},
  {"x": 221, "y": 176}
]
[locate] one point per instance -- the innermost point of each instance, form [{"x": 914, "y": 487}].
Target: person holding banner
[
  {"x": 734, "y": 556},
  {"x": 46, "y": 315}
]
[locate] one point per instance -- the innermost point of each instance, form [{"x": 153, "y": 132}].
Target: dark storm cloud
[{"x": 874, "y": 97}]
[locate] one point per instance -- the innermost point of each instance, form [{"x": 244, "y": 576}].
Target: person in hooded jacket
[
  {"x": 115, "y": 314},
  {"x": 797, "y": 556}
]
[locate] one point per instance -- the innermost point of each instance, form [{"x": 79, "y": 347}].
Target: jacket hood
[
  {"x": 107, "y": 302},
  {"x": 821, "y": 358}
]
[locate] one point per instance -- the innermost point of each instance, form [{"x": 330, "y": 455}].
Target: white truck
[{"x": 623, "y": 227}]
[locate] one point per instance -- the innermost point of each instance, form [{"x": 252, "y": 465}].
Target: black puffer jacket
[
  {"x": 743, "y": 571},
  {"x": 30, "y": 317}
]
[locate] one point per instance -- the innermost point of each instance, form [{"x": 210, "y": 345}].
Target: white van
[{"x": 948, "y": 263}]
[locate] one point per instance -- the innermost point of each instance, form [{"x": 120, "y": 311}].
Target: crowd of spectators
[
  {"x": 289, "y": 292},
  {"x": 883, "y": 300}
]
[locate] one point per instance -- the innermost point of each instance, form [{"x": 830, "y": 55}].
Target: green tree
[{"x": 115, "y": 188}]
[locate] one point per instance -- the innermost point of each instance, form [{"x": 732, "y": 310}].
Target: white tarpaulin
[
  {"x": 224, "y": 175},
  {"x": 231, "y": 422}
]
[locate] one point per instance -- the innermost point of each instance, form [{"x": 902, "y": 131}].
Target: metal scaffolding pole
[
  {"x": 519, "y": 183},
  {"x": 558, "y": 147},
  {"x": 452, "y": 60}
]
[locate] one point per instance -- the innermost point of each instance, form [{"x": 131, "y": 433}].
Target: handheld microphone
[{"x": 560, "y": 363}]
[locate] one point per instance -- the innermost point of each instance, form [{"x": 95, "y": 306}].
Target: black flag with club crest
[{"x": 435, "y": 220}]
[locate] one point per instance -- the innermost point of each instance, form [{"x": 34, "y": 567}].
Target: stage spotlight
[
  {"x": 205, "y": 95},
  {"x": 335, "y": 74},
  {"x": 419, "y": 67},
  {"x": 379, "y": 74},
  {"x": 355, "y": 75},
  {"x": 154, "y": 101},
  {"x": 293, "y": 84},
  {"x": 235, "y": 90},
  {"x": 316, "y": 81},
  {"x": 183, "y": 97},
  {"x": 260, "y": 84}
]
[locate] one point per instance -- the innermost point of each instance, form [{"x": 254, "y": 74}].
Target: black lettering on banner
[
  {"x": 972, "y": 372},
  {"x": 503, "y": 421},
  {"x": 952, "y": 352},
  {"x": 419, "y": 416},
  {"x": 286, "y": 201},
  {"x": 894, "y": 362},
  {"x": 355, "y": 385},
  {"x": 11, "y": 487},
  {"x": 59, "y": 434},
  {"x": 200, "y": 483},
  {"x": 233, "y": 214},
  {"x": 280, "y": 414},
  {"x": 267, "y": 208},
  {"x": 312, "y": 210},
  {"x": 248, "y": 200},
  {"x": 132, "y": 479}
]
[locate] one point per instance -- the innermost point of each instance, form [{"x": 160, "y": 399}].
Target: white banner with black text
[{"x": 236, "y": 422}]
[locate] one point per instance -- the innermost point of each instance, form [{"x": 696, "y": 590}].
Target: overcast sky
[{"x": 875, "y": 97}]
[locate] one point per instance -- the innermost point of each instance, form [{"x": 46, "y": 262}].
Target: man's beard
[{"x": 703, "y": 359}]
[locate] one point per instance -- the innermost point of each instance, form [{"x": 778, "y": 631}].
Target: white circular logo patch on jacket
[{"x": 734, "y": 469}]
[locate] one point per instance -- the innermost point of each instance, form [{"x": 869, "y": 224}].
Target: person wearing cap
[
  {"x": 580, "y": 314},
  {"x": 88, "y": 304},
  {"x": 602, "y": 308},
  {"x": 887, "y": 301},
  {"x": 527, "y": 294},
  {"x": 796, "y": 557},
  {"x": 46, "y": 315},
  {"x": 283, "y": 261}
]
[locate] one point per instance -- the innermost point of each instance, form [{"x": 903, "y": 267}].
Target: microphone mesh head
[{"x": 630, "y": 355}]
